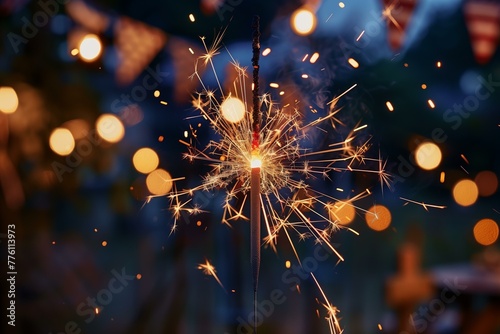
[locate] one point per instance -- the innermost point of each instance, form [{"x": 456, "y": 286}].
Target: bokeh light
[
  {"x": 465, "y": 192},
  {"x": 110, "y": 128},
  {"x": 341, "y": 212},
  {"x": 389, "y": 106},
  {"x": 428, "y": 156},
  {"x": 61, "y": 141},
  {"x": 314, "y": 58},
  {"x": 378, "y": 217},
  {"x": 159, "y": 182},
  {"x": 90, "y": 47},
  {"x": 8, "y": 100},
  {"x": 232, "y": 109},
  {"x": 486, "y": 231},
  {"x": 145, "y": 160},
  {"x": 487, "y": 183},
  {"x": 303, "y": 21},
  {"x": 353, "y": 62}
]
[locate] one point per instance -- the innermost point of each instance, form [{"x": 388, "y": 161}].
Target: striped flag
[
  {"x": 398, "y": 14},
  {"x": 483, "y": 22},
  {"x": 211, "y": 6}
]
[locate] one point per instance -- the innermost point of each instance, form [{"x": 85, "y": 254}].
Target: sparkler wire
[{"x": 255, "y": 64}]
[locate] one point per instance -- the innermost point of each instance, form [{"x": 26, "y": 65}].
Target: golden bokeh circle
[
  {"x": 486, "y": 232},
  {"x": 90, "y": 47},
  {"x": 378, "y": 217},
  {"x": 145, "y": 160},
  {"x": 341, "y": 212},
  {"x": 303, "y": 21},
  {"x": 159, "y": 182},
  {"x": 61, "y": 141},
  {"x": 8, "y": 100},
  {"x": 428, "y": 156},
  {"x": 232, "y": 109},
  {"x": 110, "y": 128},
  {"x": 465, "y": 192}
]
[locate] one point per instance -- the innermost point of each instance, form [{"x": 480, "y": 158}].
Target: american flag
[
  {"x": 398, "y": 14},
  {"x": 483, "y": 22}
]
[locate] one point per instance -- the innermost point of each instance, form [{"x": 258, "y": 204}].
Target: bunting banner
[
  {"x": 483, "y": 22},
  {"x": 137, "y": 44},
  {"x": 398, "y": 14},
  {"x": 87, "y": 17},
  {"x": 211, "y": 6}
]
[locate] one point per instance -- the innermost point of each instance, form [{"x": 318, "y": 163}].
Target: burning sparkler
[
  {"x": 262, "y": 154},
  {"x": 255, "y": 165}
]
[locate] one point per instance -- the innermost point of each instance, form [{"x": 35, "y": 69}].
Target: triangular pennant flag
[
  {"x": 211, "y": 6},
  {"x": 483, "y": 22},
  {"x": 398, "y": 14},
  {"x": 137, "y": 44},
  {"x": 87, "y": 17}
]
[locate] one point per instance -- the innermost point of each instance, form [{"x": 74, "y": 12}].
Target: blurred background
[{"x": 95, "y": 103}]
